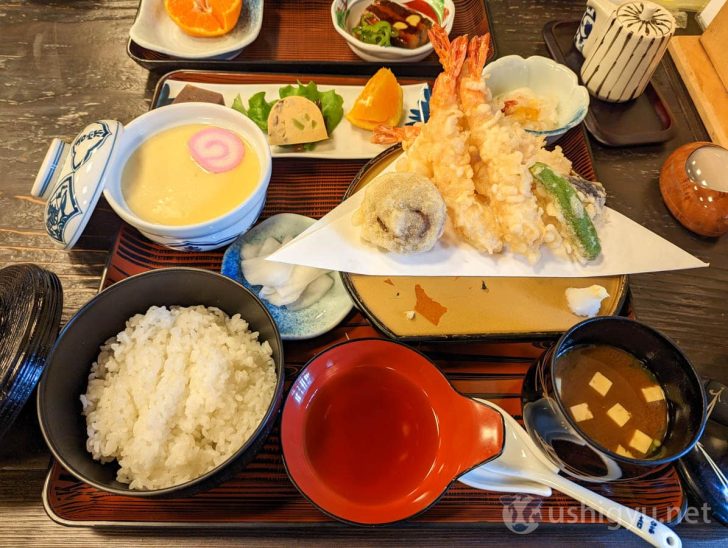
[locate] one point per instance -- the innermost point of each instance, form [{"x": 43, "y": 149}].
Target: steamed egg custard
[{"x": 189, "y": 174}]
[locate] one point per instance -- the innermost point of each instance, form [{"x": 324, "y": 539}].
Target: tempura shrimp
[
  {"x": 443, "y": 143},
  {"x": 502, "y": 174},
  {"x": 388, "y": 135}
]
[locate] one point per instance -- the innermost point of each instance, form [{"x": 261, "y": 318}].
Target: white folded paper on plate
[{"x": 334, "y": 243}]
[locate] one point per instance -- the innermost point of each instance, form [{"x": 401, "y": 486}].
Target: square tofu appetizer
[
  {"x": 619, "y": 414},
  {"x": 600, "y": 383}
]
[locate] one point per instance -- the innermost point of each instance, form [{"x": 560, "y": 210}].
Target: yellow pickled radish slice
[{"x": 380, "y": 102}]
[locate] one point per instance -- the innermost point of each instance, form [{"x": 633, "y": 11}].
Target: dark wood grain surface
[{"x": 63, "y": 64}]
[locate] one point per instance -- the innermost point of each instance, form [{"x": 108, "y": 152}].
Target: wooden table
[{"x": 64, "y": 64}]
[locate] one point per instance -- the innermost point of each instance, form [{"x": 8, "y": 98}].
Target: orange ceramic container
[{"x": 693, "y": 194}]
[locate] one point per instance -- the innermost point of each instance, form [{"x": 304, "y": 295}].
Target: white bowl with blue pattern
[
  {"x": 207, "y": 235},
  {"x": 317, "y": 319},
  {"x": 71, "y": 177},
  {"x": 545, "y": 77}
]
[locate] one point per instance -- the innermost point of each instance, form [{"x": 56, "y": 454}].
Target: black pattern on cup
[{"x": 623, "y": 48}]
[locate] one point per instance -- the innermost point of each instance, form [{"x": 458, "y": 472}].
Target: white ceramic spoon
[
  {"x": 522, "y": 459},
  {"x": 488, "y": 480}
]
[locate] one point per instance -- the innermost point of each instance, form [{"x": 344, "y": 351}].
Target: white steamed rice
[{"x": 176, "y": 394}]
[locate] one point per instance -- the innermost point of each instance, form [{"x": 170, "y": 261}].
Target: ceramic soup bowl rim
[
  {"x": 175, "y": 115},
  {"x": 552, "y": 356}
]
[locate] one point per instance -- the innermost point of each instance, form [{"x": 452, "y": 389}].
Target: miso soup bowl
[
  {"x": 554, "y": 430},
  {"x": 211, "y": 234}
]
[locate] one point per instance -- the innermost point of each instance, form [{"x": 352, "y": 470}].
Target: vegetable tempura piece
[{"x": 566, "y": 209}]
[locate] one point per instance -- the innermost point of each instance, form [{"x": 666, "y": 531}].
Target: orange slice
[
  {"x": 204, "y": 17},
  {"x": 380, "y": 102}
]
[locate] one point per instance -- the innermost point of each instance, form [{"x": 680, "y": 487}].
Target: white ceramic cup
[{"x": 622, "y": 45}]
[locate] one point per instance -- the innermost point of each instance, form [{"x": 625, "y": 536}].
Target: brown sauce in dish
[{"x": 613, "y": 398}]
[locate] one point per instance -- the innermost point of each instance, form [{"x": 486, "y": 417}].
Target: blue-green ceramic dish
[{"x": 307, "y": 323}]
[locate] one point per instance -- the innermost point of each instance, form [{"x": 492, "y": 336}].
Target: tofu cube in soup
[
  {"x": 581, "y": 412},
  {"x": 600, "y": 383},
  {"x": 653, "y": 393},
  {"x": 622, "y": 451},
  {"x": 640, "y": 441},
  {"x": 619, "y": 414}
]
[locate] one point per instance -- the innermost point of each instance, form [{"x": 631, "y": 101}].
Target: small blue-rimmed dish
[
  {"x": 306, "y": 323},
  {"x": 546, "y": 78}
]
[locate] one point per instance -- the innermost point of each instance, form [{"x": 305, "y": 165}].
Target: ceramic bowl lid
[
  {"x": 646, "y": 19},
  {"x": 31, "y": 300},
  {"x": 71, "y": 179}
]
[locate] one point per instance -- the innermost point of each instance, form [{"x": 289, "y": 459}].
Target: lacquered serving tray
[
  {"x": 262, "y": 495},
  {"x": 298, "y": 36}
]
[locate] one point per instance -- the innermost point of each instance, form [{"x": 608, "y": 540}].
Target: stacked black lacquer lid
[{"x": 31, "y": 300}]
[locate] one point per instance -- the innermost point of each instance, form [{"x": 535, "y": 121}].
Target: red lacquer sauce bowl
[{"x": 373, "y": 433}]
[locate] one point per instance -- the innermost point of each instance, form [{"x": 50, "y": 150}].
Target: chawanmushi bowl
[
  {"x": 73, "y": 176},
  {"x": 210, "y": 234},
  {"x": 66, "y": 373},
  {"x": 552, "y": 427}
]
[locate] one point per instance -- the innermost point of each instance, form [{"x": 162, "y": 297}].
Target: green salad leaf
[
  {"x": 258, "y": 109},
  {"x": 309, "y": 91},
  {"x": 332, "y": 107},
  {"x": 329, "y": 102}
]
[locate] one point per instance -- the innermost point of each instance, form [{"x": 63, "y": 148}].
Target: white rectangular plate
[{"x": 347, "y": 142}]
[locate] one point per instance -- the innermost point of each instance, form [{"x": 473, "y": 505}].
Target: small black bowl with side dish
[
  {"x": 66, "y": 374},
  {"x": 561, "y": 437}
]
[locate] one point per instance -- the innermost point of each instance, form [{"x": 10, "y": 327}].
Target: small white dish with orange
[{"x": 205, "y": 20}]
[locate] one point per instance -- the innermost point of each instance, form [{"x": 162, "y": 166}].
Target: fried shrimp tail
[
  {"x": 443, "y": 147},
  {"x": 388, "y": 135}
]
